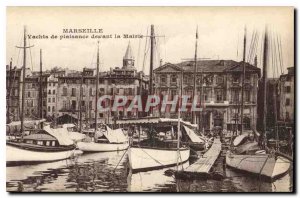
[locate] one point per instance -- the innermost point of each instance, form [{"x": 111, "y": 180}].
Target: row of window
[
  {"x": 49, "y": 109},
  {"x": 49, "y": 99},
  {"x": 51, "y": 92},
  {"x": 92, "y": 92},
  {"x": 188, "y": 79},
  {"x": 52, "y": 84},
  {"x": 101, "y": 81}
]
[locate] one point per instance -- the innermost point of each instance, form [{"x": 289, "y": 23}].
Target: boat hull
[
  {"x": 197, "y": 146},
  {"x": 144, "y": 159},
  {"x": 264, "y": 165},
  {"x": 101, "y": 147},
  {"x": 15, "y": 155}
]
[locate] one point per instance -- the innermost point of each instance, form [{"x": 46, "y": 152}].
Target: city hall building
[{"x": 218, "y": 85}]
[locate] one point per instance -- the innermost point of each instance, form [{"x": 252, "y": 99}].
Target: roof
[
  {"x": 27, "y": 123},
  {"x": 128, "y": 54},
  {"x": 39, "y": 136},
  {"x": 209, "y": 66}
]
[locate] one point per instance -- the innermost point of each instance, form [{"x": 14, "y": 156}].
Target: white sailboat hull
[
  {"x": 262, "y": 164},
  {"x": 143, "y": 159},
  {"x": 101, "y": 147},
  {"x": 19, "y": 155}
]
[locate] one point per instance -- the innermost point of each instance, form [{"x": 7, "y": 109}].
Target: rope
[
  {"x": 145, "y": 52},
  {"x": 151, "y": 157},
  {"x": 121, "y": 159}
]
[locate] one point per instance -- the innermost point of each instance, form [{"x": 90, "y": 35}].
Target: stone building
[
  {"x": 52, "y": 95},
  {"x": 32, "y": 95},
  {"x": 287, "y": 96},
  {"x": 13, "y": 79},
  {"x": 222, "y": 83},
  {"x": 118, "y": 81}
]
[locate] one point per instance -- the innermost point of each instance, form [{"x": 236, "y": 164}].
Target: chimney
[
  {"x": 255, "y": 61},
  {"x": 160, "y": 62}
]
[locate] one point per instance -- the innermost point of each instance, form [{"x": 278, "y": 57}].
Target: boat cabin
[{"x": 40, "y": 139}]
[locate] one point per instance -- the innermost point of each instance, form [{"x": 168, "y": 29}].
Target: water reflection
[
  {"x": 152, "y": 180},
  {"x": 98, "y": 172}
]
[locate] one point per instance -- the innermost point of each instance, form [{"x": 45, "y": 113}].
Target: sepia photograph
[{"x": 150, "y": 99}]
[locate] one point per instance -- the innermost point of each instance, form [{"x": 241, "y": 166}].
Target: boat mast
[
  {"x": 243, "y": 79},
  {"x": 178, "y": 124},
  {"x": 264, "y": 81},
  {"x": 195, "y": 73},
  {"x": 9, "y": 91},
  {"x": 97, "y": 82},
  {"x": 41, "y": 87},
  {"x": 152, "y": 37},
  {"x": 23, "y": 83},
  {"x": 275, "y": 115},
  {"x": 80, "y": 103}
]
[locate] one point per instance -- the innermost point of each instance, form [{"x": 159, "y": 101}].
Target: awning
[
  {"x": 115, "y": 135},
  {"x": 192, "y": 135},
  {"x": 144, "y": 120},
  {"x": 252, "y": 146},
  {"x": 176, "y": 120},
  {"x": 239, "y": 139},
  {"x": 28, "y": 124},
  {"x": 76, "y": 136},
  {"x": 61, "y": 134}
]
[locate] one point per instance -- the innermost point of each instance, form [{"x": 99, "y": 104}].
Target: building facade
[
  {"x": 52, "y": 85},
  {"x": 287, "y": 96},
  {"x": 218, "y": 87},
  {"x": 13, "y": 79},
  {"x": 32, "y": 107},
  {"x": 125, "y": 81}
]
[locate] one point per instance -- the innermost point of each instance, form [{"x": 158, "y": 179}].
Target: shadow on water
[
  {"x": 236, "y": 182},
  {"x": 87, "y": 173},
  {"x": 97, "y": 172}
]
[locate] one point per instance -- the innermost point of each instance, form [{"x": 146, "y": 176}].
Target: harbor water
[{"x": 109, "y": 172}]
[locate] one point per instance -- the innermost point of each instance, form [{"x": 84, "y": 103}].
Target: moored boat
[
  {"x": 45, "y": 145},
  {"x": 252, "y": 157},
  {"x": 103, "y": 140},
  {"x": 269, "y": 167},
  {"x": 144, "y": 159}
]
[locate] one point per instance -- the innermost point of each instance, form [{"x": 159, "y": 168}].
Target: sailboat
[
  {"x": 38, "y": 145},
  {"x": 158, "y": 152},
  {"x": 104, "y": 138},
  {"x": 249, "y": 157}
]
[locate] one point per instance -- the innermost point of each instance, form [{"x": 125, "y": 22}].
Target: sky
[{"x": 220, "y": 30}]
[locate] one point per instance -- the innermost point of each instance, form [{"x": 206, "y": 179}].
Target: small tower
[{"x": 128, "y": 59}]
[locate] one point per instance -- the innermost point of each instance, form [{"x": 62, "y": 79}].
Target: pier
[{"x": 203, "y": 165}]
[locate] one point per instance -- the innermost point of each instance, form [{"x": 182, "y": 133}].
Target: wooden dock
[{"x": 204, "y": 164}]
